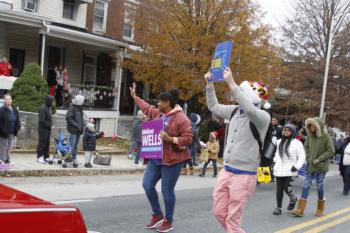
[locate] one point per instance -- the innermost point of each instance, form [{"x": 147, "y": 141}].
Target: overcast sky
[{"x": 276, "y": 10}]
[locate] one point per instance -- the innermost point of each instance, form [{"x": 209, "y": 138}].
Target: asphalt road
[
  {"x": 127, "y": 214},
  {"x": 116, "y": 204}
]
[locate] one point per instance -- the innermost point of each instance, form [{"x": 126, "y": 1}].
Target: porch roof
[
  {"x": 22, "y": 18},
  {"x": 84, "y": 37}
]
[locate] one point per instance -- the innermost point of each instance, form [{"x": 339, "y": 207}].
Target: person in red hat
[{"x": 213, "y": 149}]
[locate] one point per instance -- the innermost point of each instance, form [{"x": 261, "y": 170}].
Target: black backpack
[{"x": 268, "y": 149}]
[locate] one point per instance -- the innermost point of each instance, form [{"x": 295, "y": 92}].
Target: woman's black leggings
[{"x": 284, "y": 184}]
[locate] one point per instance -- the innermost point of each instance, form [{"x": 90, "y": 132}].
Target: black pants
[
  {"x": 346, "y": 180},
  {"x": 189, "y": 162},
  {"x": 59, "y": 95},
  {"x": 44, "y": 142},
  {"x": 214, "y": 165},
  {"x": 284, "y": 184}
]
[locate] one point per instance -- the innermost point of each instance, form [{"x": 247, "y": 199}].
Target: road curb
[
  {"x": 114, "y": 153},
  {"x": 78, "y": 172}
]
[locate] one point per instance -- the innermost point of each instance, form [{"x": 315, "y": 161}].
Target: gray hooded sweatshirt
[{"x": 242, "y": 150}]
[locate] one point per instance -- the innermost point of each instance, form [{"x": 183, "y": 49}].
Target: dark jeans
[
  {"x": 169, "y": 176},
  {"x": 138, "y": 152},
  {"x": 284, "y": 184},
  {"x": 346, "y": 179},
  {"x": 73, "y": 142},
  {"x": 214, "y": 165},
  {"x": 44, "y": 142},
  {"x": 319, "y": 183}
]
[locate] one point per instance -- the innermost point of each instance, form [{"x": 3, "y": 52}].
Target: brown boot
[
  {"x": 299, "y": 212},
  {"x": 184, "y": 172},
  {"x": 191, "y": 171},
  {"x": 320, "y": 208}
]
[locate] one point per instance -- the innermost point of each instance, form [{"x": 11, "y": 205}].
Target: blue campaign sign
[{"x": 221, "y": 60}]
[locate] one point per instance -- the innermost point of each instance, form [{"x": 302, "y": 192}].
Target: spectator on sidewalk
[
  {"x": 319, "y": 149},
  {"x": 9, "y": 127},
  {"x": 136, "y": 138},
  {"x": 75, "y": 124},
  {"x": 344, "y": 166},
  {"x": 213, "y": 148},
  {"x": 289, "y": 158},
  {"x": 194, "y": 147},
  {"x": 237, "y": 181},
  {"x": 302, "y": 135},
  {"x": 176, "y": 138},
  {"x": 89, "y": 143},
  {"x": 44, "y": 130}
]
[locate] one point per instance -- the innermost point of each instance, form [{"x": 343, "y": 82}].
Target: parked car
[{"x": 24, "y": 213}]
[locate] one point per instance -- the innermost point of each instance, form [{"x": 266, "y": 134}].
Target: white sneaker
[
  {"x": 130, "y": 156},
  {"x": 42, "y": 160}
]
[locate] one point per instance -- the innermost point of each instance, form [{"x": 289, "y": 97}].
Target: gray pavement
[{"x": 116, "y": 204}]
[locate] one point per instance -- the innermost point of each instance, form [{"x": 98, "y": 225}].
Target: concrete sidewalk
[{"x": 27, "y": 165}]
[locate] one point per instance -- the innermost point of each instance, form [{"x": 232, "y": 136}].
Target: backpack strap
[
  {"x": 257, "y": 137},
  {"x": 234, "y": 113}
]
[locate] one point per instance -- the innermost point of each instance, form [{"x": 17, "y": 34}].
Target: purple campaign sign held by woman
[{"x": 152, "y": 144}]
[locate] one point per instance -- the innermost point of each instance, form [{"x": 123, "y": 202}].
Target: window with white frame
[
  {"x": 128, "y": 27},
  {"x": 69, "y": 9},
  {"x": 100, "y": 15},
  {"x": 30, "y": 5}
]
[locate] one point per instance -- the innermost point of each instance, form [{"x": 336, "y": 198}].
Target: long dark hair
[{"x": 284, "y": 146}]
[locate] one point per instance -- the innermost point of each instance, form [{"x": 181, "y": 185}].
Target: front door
[
  {"x": 16, "y": 59},
  {"x": 56, "y": 58}
]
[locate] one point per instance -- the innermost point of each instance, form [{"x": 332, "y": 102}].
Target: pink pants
[{"x": 231, "y": 193}]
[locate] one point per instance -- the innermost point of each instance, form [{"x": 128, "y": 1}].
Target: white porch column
[
  {"x": 43, "y": 46},
  {"x": 3, "y": 40},
  {"x": 117, "y": 83}
]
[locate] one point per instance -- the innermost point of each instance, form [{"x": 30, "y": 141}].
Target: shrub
[{"x": 30, "y": 89}]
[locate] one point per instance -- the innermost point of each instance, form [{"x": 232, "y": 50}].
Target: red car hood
[{"x": 12, "y": 198}]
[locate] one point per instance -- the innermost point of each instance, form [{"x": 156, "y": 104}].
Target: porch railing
[{"x": 95, "y": 96}]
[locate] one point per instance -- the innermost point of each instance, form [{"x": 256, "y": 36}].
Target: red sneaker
[
  {"x": 155, "y": 221},
  {"x": 165, "y": 227}
]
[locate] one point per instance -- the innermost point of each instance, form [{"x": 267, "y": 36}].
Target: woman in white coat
[{"x": 289, "y": 158}]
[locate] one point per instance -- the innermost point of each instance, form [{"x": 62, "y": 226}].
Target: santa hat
[
  {"x": 257, "y": 93},
  {"x": 214, "y": 134}
]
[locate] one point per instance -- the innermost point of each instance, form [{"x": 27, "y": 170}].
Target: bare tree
[{"x": 306, "y": 37}]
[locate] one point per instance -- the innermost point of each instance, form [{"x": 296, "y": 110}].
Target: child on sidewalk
[
  {"x": 212, "y": 149},
  {"x": 89, "y": 143}
]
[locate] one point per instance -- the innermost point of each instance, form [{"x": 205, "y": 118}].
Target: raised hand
[
  {"x": 207, "y": 77},
  {"x": 229, "y": 78},
  {"x": 133, "y": 90}
]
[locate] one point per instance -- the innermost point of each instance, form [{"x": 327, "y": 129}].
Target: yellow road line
[
  {"x": 314, "y": 221},
  {"x": 329, "y": 225}
]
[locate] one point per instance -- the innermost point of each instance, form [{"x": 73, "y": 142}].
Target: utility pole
[{"x": 328, "y": 58}]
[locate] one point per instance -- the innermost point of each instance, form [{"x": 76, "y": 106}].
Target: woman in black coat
[{"x": 345, "y": 170}]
